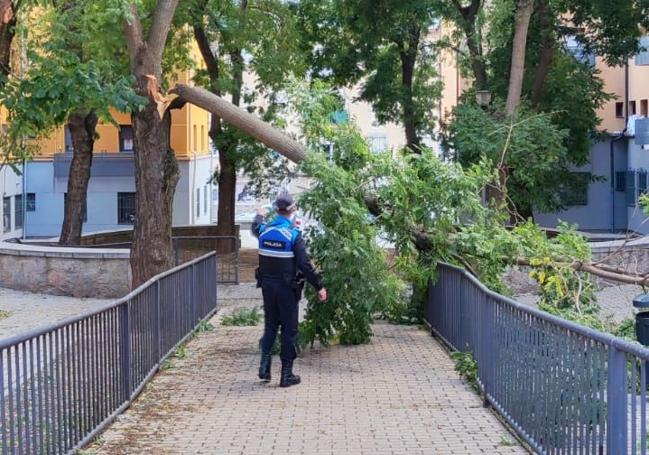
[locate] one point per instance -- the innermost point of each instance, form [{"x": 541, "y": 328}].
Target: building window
[
  {"x": 643, "y": 108},
  {"x": 31, "y": 202},
  {"x": 84, "y": 211},
  {"x": 198, "y": 202},
  {"x": 195, "y": 138},
  {"x": 202, "y": 138},
  {"x": 19, "y": 210},
  {"x": 632, "y": 108},
  {"x": 125, "y": 208},
  {"x": 630, "y": 197},
  {"x": 378, "y": 143},
  {"x": 125, "y": 138},
  {"x": 642, "y": 58},
  {"x": 69, "y": 148},
  {"x": 576, "y": 191},
  {"x": 620, "y": 181},
  {"x": 619, "y": 110},
  {"x": 205, "y": 199},
  {"x": 6, "y": 214}
]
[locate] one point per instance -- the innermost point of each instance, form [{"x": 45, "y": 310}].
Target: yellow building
[{"x": 111, "y": 191}]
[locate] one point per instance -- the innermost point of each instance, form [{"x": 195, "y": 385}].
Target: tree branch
[
  {"x": 239, "y": 118},
  {"x": 134, "y": 35},
  {"x": 162, "y": 18},
  {"x": 208, "y": 56}
]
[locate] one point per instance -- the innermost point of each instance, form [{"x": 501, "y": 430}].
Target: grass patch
[
  {"x": 506, "y": 442},
  {"x": 4, "y": 314},
  {"x": 466, "y": 365},
  {"x": 243, "y": 317}
]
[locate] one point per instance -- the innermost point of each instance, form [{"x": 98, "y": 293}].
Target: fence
[
  {"x": 189, "y": 247},
  {"x": 61, "y": 384},
  {"x": 563, "y": 387}
]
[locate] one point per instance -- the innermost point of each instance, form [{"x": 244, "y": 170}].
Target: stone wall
[{"x": 77, "y": 272}]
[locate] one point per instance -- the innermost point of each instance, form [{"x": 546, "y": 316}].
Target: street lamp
[{"x": 483, "y": 97}]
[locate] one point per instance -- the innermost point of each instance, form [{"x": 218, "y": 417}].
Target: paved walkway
[
  {"x": 397, "y": 395},
  {"x": 23, "y": 311}
]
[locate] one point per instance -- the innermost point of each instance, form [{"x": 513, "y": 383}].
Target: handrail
[
  {"x": 563, "y": 387},
  {"x": 47, "y": 328},
  {"x": 62, "y": 383},
  {"x": 606, "y": 338}
]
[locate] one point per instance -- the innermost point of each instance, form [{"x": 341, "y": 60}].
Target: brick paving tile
[{"x": 397, "y": 395}]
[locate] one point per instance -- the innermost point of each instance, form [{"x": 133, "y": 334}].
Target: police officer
[{"x": 282, "y": 255}]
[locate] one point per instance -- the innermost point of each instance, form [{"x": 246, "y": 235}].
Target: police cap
[{"x": 284, "y": 201}]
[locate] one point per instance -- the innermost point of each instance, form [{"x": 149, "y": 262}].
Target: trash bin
[{"x": 642, "y": 319}]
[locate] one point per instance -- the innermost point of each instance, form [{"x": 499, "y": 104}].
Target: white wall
[
  {"x": 194, "y": 174},
  {"x": 10, "y": 186},
  {"x": 46, "y": 220}
]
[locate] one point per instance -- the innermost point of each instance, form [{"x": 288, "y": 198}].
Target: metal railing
[
  {"x": 189, "y": 247},
  {"x": 62, "y": 384},
  {"x": 563, "y": 387}
]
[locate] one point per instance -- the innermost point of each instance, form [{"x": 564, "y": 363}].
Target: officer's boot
[
  {"x": 264, "y": 367},
  {"x": 288, "y": 378}
]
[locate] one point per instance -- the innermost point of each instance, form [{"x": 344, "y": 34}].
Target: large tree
[
  {"x": 524, "y": 52},
  {"x": 156, "y": 168},
  {"x": 253, "y": 37},
  {"x": 74, "y": 78}
]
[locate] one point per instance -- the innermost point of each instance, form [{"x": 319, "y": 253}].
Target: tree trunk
[
  {"x": 547, "y": 52},
  {"x": 469, "y": 16},
  {"x": 227, "y": 192},
  {"x": 83, "y": 132},
  {"x": 7, "y": 33},
  {"x": 156, "y": 168},
  {"x": 410, "y": 122},
  {"x": 156, "y": 176},
  {"x": 524, "y": 11}
]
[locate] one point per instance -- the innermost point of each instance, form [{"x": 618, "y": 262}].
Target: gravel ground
[
  {"x": 616, "y": 301},
  {"x": 27, "y": 311}
]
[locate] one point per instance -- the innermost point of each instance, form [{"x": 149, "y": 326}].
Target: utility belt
[{"x": 296, "y": 281}]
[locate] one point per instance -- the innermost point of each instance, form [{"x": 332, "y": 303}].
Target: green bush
[{"x": 243, "y": 317}]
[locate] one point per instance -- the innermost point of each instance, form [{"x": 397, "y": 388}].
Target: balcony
[{"x": 104, "y": 164}]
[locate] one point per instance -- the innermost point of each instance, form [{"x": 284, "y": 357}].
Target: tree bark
[
  {"x": 83, "y": 132},
  {"x": 469, "y": 16},
  {"x": 408, "y": 58},
  {"x": 547, "y": 52},
  {"x": 524, "y": 11},
  {"x": 7, "y": 34},
  {"x": 156, "y": 168}
]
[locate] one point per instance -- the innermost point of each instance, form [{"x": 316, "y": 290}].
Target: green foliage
[
  {"x": 4, "y": 314},
  {"x": 384, "y": 46},
  {"x": 529, "y": 145},
  {"x": 243, "y": 317},
  {"x": 467, "y": 367},
  {"x": 69, "y": 71}
]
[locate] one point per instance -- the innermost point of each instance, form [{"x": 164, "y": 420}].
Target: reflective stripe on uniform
[{"x": 277, "y": 254}]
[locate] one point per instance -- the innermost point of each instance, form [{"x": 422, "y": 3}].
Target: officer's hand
[
  {"x": 262, "y": 211},
  {"x": 322, "y": 295}
]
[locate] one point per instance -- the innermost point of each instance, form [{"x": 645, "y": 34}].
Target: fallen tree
[{"x": 431, "y": 211}]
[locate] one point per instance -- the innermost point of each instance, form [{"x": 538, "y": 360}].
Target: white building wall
[
  {"x": 10, "y": 187},
  {"x": 102, "y": 204}
]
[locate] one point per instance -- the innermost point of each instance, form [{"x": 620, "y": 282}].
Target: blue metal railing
[
  {"x": 563, "y": 387},
  {"x": 60, "y": 385}
]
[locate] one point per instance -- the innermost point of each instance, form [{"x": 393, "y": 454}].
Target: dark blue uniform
[{"x": 282, "y": 253}]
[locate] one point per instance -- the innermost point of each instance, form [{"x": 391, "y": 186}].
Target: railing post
[
  {"x": 192, "y": 296},
  {"x": 616, "y": 402},
  {"x": 485, "y": 350},
  {"x": 125, "y": 354},
  {"x": 158, "y": 325}
]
